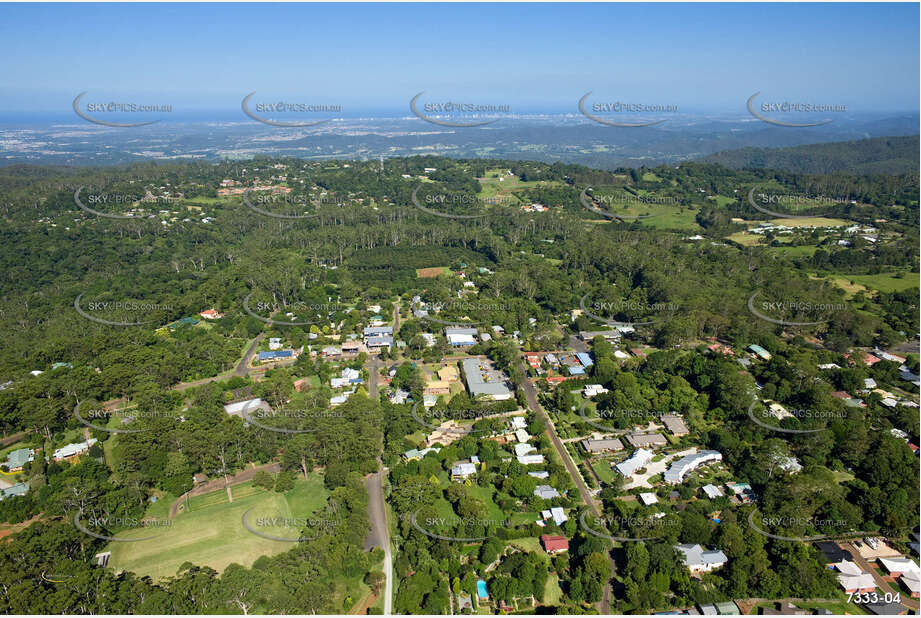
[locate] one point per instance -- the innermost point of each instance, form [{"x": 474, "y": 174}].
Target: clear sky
[{"x": 531, "y": 56}]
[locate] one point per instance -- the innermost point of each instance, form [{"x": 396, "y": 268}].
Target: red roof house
[
  {"x": 211, "y": 314},
  {"x": 554, "y": 544}
]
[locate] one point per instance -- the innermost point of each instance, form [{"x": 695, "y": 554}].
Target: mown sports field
[{"x": 210, "y": 531}]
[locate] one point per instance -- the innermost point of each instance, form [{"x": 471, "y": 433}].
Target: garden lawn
[{"x": 211, "y": 532}]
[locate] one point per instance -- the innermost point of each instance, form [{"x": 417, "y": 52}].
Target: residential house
[
  {"x": 677, "y": 471},
  {"x": 675, "y": 425},
  {"x": 19, "y": 489},
  {"x": 15, "y": 460},
  {"x": 248, "y": 405},
  {"x": 448, "y": 373},
  {"x": 546, "y": 492},
  {"x": 603, "y": 445},
  {"x": 518, "y": 422},
  {"x": 527, "y": 460},
  {"x": 462, "y": 471},
  {"x": 73, "y": 449},
  {"x": 554, "y": 544},
  {"x": 415, "y": 454},
  {"x": 638, "y": 460},
  {"x": 523, "y": 449},
  {"x": 591, "y": 390},
  {"x": 701, "y": 560},
  {"x": 853, "y": 579},
  {"x": 832, "y": 553},
  {"x": 712, "y": 491},
  {"x": 643, "y": 440}
]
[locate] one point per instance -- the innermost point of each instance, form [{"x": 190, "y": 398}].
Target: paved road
[
  {"x": 10, "y": 439},
  {"x": 380, "y": 534},
  {"x": 373, "y": 366},
  {"x": 243, "y": 365},
  {"x": 531, "y": 395}
]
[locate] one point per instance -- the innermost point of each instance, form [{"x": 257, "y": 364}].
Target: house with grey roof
[
  {"x": 639, "y": 459},
  {"x": 546, "y": 492},
  {"x": 699, "y": 559}
]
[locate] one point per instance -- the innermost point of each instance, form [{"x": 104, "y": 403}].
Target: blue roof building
[
  {"x": 585, "y": 359},
  {"x": 273, "y": 354}
]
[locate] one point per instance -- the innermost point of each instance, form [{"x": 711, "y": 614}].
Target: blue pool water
[{"x": 481, "y": 589}]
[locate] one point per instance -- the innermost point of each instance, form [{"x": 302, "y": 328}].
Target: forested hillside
[{"x": 878, "y": 155}]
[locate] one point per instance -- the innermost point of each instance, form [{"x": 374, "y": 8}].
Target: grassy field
[
  {"x": 886, "y": 282},
  {"x": 434, "y": 271},
  {"x": 812, "y": 222},
  {"x": 552, "y": 591},
  {"x": 603, "y": 469},
  {"x": 528, "y": 544},
  {"x": 794, "y": 252},
  {"x": 746, "y": 240},
  {"x": 211, "y": 531}
]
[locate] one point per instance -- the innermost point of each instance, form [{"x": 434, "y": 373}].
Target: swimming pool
[{"x": 481, "y": 589}]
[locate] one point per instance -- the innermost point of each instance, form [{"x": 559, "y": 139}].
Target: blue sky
[{"x": 530, "y": 56}]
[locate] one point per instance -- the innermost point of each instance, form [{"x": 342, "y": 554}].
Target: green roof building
[{"x": 15, "y": 460}]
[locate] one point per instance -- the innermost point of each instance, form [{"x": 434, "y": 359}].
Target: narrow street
[
  {"x": 377, "y": 509},
  {"x": 380, "y": 535},
  {"x": 531, "y": 395}
]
